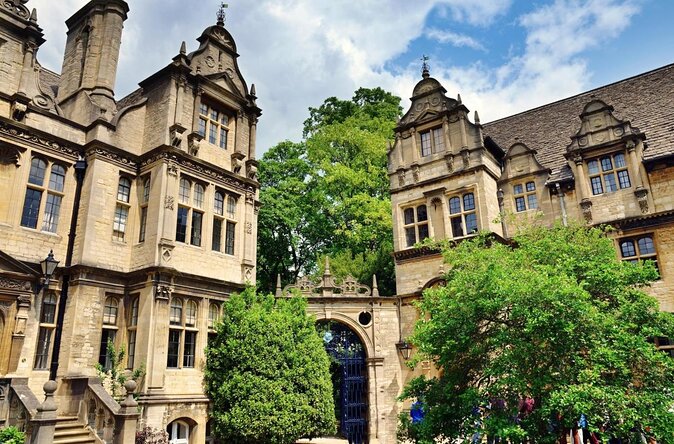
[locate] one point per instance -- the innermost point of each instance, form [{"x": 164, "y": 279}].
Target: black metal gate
[{"x": 349, "y": 377}]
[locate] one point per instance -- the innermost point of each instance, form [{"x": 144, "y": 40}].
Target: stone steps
[{"x": 70, "y": 431}]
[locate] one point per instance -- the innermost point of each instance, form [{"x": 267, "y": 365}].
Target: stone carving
[
  {"x": 401, "y": 177},
  {"x": 114, "y": 157},
  {"x": 20, "y": 134},
  {"x": 194, "y": 143},
  {"x": 327, "y": 287},
  {"x": 449, "y": 159},
  {"x": 465, "y": 157},
  {"x": 641, "y": 194},
  {"x": 19, "y": 111},
  {"x": 252, "y": 172},
  {"x": 416, "y": 172},
  {"x": 4, "y": 307},
  {"x": 586, "y": 207},
  {"x": 172, "y": 168},
  {"x": 169, "y": 202},
  {"x": 250, "y": 197},
  {"x": 249, "y": 228},
  {"x": 176, "y": 135},
  {"x": 163, "y": 292},
  {"x": 9, "y": 155},
  {"x": 17, "y": 7},
  {"x": 14, "y": 284}
]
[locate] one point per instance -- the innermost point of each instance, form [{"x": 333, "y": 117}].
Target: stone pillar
[
  {"x": 634, "y": 164},
  {"x": 28, "y": 66},
  {"x": 44, "y": 423},
  {"x": 249, "y": 239},
  {"x": 581, "y": 181},
  {"x": 127, "y": 419},
  {"x": 445, "y": 134},
  {"x": 415, "y": 146},
  {"x": 252, "y": 138}
]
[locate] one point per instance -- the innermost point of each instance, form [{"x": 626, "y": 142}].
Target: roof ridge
[{"x": 549, "y": 104}]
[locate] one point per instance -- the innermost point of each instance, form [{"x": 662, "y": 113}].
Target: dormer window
[
  {"x": 525, "y": 196},
  {"x": 213, "y": 125},
  {"x": 608, "y": 174},
  {"x": 432, "y": 142}
]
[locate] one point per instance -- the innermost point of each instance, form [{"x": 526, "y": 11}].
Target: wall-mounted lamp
[
  {"x": 405, "y": 349},
  {"x": 48, "y": 266}
]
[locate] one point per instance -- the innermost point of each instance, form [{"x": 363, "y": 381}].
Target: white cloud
[
  {"x": 298, "y": 52},
  {"x": 453, "y": 38}
]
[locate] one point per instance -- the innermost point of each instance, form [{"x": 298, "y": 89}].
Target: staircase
[{"x": 70, "y": 431}]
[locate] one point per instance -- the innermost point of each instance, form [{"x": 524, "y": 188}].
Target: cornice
[{"x": 24, "y": 134}]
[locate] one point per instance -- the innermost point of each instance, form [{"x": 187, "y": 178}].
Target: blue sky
[{"x": 502, "y": 56}]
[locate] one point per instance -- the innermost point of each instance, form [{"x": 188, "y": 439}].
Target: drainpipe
[
  {"x": 562, "y": 204},
  {"x": 80, "y": 169},
  {"x": 501, "y": 210}
]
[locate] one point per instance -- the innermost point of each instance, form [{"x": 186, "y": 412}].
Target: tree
[
  {"x": 329, "y": 194},
  {"x": 267, "y": 372},
  {"x": 532, "y": 336}
]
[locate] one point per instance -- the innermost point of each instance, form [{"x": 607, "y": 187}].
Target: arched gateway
[{"x": 349, "y": 379}]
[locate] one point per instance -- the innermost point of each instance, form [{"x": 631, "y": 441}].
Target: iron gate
[{"x": 350, "y": 381}]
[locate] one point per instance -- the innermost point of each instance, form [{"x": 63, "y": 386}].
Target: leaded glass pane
[
  {"x": 191, "y": 314},
  {"x": 421, "y": 213},
  {"x": 110, "y": 311},
  {"x": 531, "y": 186},
  {"x": 196, "y": 228},
  {"x": 176, "y": 312},
  {"x": 229, "y": 237},
  {"x": 48, "y": 313},
  {"x": 468, "y": 202},
  {"x": 457, "y": 226},
  {"x": 532, "y": 201},
  {"x": 409, "y": 216},
  {"x": 181, "y": 225},
  {"x": 609, "y": 181},
  {"x": 646, "y": 246},
  {"x": 57, "y": 178},
  {"x": 231, "y": 206},
  {"x": 173, "y": 349},
  {"x": 423, "y": 232},
  {"x": 593, "y": 167},
  {"x": 597, "y": 187},
  {"x": 184, "y": 191},
  {"x": 146, "y": 190},
  {"x": 619, "y": 160},
  {"x": 517, "y": 189},
  {"x": 219, "y": 204},
  {"x": 51, "y": 213},
  {"x": 624, "y": 179},
  {"x": 520, "y": 204},
  {"x": 199, "y": 195},
  {"x": 606, "y": 164},
  {"x": 217, "y": 234},
  {"x": 410, "y": 236},
  {"x": 471, "y": 223},
  {"x": 438, "y": 140},
  {"x": 31, "y": 208},
  {"x": 190, "y": 346},
  {"x": 38, "y": 167},
  {"x": 212, "y": 134},
  {"x": 223, "y": 138},
  {"x": 454, "y": 205},
  {"x": 124, "y": 189},
  {"x": 426, "y": 143},
  {"x": 627, "y": 248}
]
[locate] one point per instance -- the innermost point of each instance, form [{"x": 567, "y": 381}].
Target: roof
[
  {"x": 130, "y": 99},
  {"x": 646, "y": 100}
]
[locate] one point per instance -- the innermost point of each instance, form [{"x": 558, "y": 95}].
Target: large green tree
[
  {"x": 267, "y": 372},
  {"x": 554, "y": 320},
  {"x": 328, "y": 195}
]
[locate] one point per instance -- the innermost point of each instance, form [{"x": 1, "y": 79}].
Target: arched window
[
  {"x": 109, "y": 330},
  {"x": 47, "y": 326},
  {"x": 463, "y": 215},
  {"x": 178, "y": 432},
  {"x": 190, "y": 215},
  {"x": 182, "y": 334},
  {"x": 33, "y": 199},
  {"x": 219, "y": 204},
  {"x": 641, "y": 248},
  {"x": 213, "y": 314}
]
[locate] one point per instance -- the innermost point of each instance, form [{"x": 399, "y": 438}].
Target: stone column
[
  {"x": 445, "y": 134},
  {"x": 252, "y": 138},
  {"x": 634, "y": 164},
  {"x": 28, "y": 66},
  {"x": 581, "y": 180},
  {"x": 249, "y": 247},
  {"x": 415, "y": 146},
  {"x": 44, "y": 423}
]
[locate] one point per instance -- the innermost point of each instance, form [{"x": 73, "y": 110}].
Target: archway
[
  {"x": 349, "y": 379},
  {"x": 178, "y": 432}
]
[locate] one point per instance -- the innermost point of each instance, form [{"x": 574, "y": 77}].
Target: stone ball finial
[
  {"x": 130, "y": 386},
  {"x": 49, "y": 387}
]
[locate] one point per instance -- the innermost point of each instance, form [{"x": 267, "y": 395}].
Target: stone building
[{"x": 148, "y": 202}]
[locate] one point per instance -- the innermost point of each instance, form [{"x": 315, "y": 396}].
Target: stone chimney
[{"x": 86, "y": 92}]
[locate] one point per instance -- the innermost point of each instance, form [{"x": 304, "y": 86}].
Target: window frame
[
  {"x": 131, "y": 331},
  {"x": 45, "y": 215},
  {"x": 190, "y": 214},
  {"x": 109, "y": 330},
  {"x": 180, "y": 332},
  {"x": 523, "y": 193},
  {"x": 145, "y": 189},
  {"x": 46, "y": 328},
  {"x": 639, "y": 256},
  {"x": 435, "y": 142},
  {"x": 415, "y": 225},
  {"x": 223, "y": 236},
  {"x": 463, "y": 214},
  {"x": 598, "y": 179},
  {"x": 121, "y": 216},
  {"x": 214, "y": 130}
]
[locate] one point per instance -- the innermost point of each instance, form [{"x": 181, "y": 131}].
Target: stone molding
[{"x": 23, "y": 135}]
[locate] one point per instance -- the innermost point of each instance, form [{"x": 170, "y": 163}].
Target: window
[
  {"x": 109, "y": 332},
  {"x": 182, "y": 334},
  {"x": 131, "y": 334},
  {"x": 415, "y": 224},
  {"x": 432, "y": 142},
  {"x": 36, "y": 187},
  {"x": 664, "y": 344},
  {"x": 224, "y": 220},
  {"x": 608, "y": 174},
  {"x": 190, "y": 218},
  {"x": 213, "y": 315},
  {"x": 462, "y": 215},
  {"x": 47, "y": 326},
  {"x": 178, "y": 432},
  {"x": 144, "y": 201},
  {"x": 640, "y": 248},
  {"x": 525, "y": 197},
  {"x": 213, "y": 125},
  {"x": 121, "y": 217}
]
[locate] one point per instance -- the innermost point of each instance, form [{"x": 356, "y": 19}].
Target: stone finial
[
  {"x": 458, "y": 98},
  {"x": 425, "y": 68},
  {"x": 49, "y": 405},
  {"x": 33, "y": 15},
  {"x": 183, "y": 48},
  {"x": 375, "y": 288},
  {"x": 130, "y": 387},
  {"x": 221, "y": 14},
  {"x": 477, "y": 118},
  {"x": 252, "y": 90},
  {"x": 279, "y": 290}
]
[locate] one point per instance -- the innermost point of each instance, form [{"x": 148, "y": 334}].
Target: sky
[{"x": 502, "y": 56}]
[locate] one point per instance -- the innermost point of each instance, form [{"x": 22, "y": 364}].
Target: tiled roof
[
  {"x": 646, "y": 100},
  {"x": 130, "y": 99}
]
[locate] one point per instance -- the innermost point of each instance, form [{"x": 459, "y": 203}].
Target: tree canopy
[
  {"x": 329, "y": 194},
  {"x": 531, "y": 336},
  {"x": 267, "y": 372}
]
